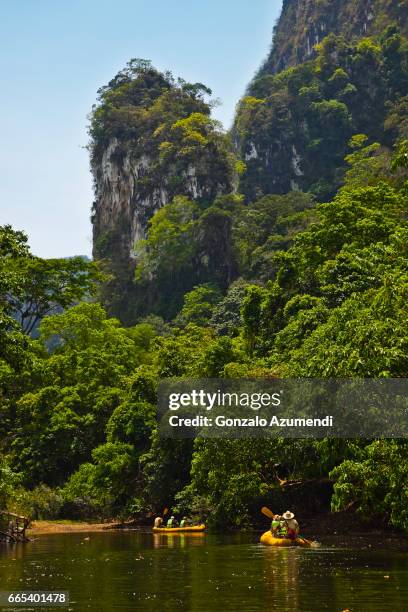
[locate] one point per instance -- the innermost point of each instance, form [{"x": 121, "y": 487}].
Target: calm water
[{"x": 134, "y": 571}]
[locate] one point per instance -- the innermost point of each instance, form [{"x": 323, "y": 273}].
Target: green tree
[
  {"x": 199, "y": 305},
  {"x": 49, "y": 285},
  {"x": 81, "y": 384}
]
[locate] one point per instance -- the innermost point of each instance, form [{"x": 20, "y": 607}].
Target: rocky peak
[
  {"x": 152, "y": 138},
  {"x": 304, "y": 23}
]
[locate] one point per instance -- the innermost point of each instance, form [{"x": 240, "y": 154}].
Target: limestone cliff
[{"x": 152, "y": 138}]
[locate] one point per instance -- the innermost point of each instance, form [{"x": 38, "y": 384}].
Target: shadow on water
[{"x": 138, "y": 571}]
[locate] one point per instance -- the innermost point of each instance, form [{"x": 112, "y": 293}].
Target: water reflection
[
  {"x": 282, "y": 577},
  {"x": 178, "y": 540}
]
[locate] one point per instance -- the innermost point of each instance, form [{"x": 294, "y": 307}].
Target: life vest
[
  {"x": 182, "y": 523},
  {"x": 282, "y": 530}
]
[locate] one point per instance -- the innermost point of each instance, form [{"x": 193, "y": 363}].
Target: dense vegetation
[
  {"x": 78, "y": 415},
  {"x": 272, "y": 283}
]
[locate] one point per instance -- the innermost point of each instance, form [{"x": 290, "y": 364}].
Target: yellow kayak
[
  {"x": 169, "y": 530},
  {"x": 268, "y": 539}
]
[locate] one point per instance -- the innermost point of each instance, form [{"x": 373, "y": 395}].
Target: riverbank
[{"x": 65, "y": 526}]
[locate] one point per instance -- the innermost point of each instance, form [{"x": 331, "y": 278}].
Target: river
[{"x": 133, "y": 571}]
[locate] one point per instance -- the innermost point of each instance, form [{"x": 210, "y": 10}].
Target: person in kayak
[
  {"x": 172, "y": 522},
  {"x": 275, "y": 525},
  {"x": 158, "y": 522},
  {"x": 278, "y": 527},
  {"x": 185, "y": 522},
  {"x": 292, "y": 526}
]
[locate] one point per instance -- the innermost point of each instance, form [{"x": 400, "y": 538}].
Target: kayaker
[
  {"x": 172, "y": 522},
  {"x": 292, "y": 526},
  {"x": 185, "y": 522},
  {"x": 275, "y": 525},
  {"x": 158, "y": 522}
]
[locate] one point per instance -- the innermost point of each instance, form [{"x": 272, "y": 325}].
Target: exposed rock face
[
  {"x": 304, "y": 23},
  {"x": 117, "y": 198}
]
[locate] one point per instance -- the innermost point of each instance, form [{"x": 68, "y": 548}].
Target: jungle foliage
[{"x": 78, "y": 413}]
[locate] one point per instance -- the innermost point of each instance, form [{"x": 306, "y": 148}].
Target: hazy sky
[{"x": 55, "y": 54}]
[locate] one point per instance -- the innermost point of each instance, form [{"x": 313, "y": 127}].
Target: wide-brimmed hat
[{"x": 288, "y": 515}]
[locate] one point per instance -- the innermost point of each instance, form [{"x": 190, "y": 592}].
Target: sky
[{"x": 55, "y": 54}]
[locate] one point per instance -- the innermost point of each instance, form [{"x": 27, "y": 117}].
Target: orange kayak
[
  {"x": 169, "y": 530},
  {"x": 268, "y": 539}
]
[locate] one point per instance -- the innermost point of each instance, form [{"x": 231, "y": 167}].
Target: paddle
[
  {"x": 267, "y": 512},
  {"x": 165, "y": 511},
  {"x": 312, "y": 544}
]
